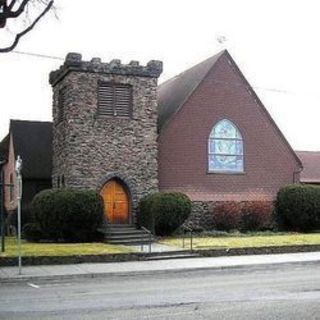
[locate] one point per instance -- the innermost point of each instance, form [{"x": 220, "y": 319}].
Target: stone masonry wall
[{"x": 89, "y": 149}]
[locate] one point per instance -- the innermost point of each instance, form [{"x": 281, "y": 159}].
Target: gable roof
[
  {"x": 32, "y": 140},
  {"x": 173, "y": 93},
  {"x": 4, "y": 147},
  {"x": 311, "y": 166}
]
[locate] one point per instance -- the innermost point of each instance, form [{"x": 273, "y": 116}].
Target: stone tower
[{"x": 105, "y": 126}]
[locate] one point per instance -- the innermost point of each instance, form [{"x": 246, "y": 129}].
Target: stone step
[
  {"x": 128, "y": 236},
  {"x": 125, "y": 231},
  {"x": 120, "y": 226},
  {"x": 128, "y": 242}
]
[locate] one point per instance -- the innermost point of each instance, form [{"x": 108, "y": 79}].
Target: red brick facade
[
  {"x": 269, "y": 161},
  {"x": 10, "y": 198}
]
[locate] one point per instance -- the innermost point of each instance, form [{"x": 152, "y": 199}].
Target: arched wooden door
[{"x": 116, "y": 202}]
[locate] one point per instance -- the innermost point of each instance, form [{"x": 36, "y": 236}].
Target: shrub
[
  {"x": 256, "y": 216},
  {"x": 12, "y": 217},
  {"x": 32, "y": 232},
  {"x": 298, "y": 207},
  {"x": 68, "y": 215},
  {"x": 145, "y": 217},
  {"x": 164, "y": 212},
  {"x": 226, "y": 216}
]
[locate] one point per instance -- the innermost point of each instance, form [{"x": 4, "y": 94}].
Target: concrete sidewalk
[{"x": 90, "y": 270}]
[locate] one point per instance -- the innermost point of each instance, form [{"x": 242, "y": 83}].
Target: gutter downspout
[{"x": 296, "y": 173}]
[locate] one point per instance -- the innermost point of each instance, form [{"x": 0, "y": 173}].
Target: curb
[
  {"x": 139, "y": 256},
  {"x": 23, "y": 278}
]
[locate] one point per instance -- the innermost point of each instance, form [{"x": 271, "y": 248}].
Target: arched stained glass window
[{"x": 225, "y": 148}]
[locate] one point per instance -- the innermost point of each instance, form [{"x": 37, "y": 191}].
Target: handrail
[
  {"x": 186, "y": 228},
  {"x": 150, "y": 236}
]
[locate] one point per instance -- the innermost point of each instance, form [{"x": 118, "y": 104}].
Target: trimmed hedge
[
  {"x": 297, "y": 208},
  {"x": 67, "y": 215},
  {"x": 244, "y": 216},
  {"x": 257, "y": 216},
  {"x": 164, "y": 212},
  {"x": 226, "y": 216},
  {"x": 31, "y": 232}
]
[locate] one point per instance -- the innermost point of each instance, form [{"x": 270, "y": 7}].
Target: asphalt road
[{"x": 266, "y": 292}]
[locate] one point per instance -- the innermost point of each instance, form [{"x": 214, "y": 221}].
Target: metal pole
[
  {"x": 19, "y": 184},
  {"x": 19, "y": 224},
  {"x": 2, "y": 211}
]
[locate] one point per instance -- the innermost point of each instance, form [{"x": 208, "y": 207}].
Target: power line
[
  {"x": 38, "y": 55},
  {"x": 275, "y": 90}
]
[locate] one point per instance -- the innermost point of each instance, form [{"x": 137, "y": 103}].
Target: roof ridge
[
  {"x": 193, "y": 66},
  {"x": 174, "y": 92}
]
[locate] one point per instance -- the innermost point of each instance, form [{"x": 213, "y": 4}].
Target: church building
[{"x": 204, "y": 132}]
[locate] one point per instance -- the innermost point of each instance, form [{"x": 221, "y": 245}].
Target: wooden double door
[{"x": 116, "y": 202}]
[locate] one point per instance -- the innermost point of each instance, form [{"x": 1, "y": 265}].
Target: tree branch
[
  {"x": 14, "y": 14},
  {"x": 12, "y": 3},
  {"x": 24, "y": 32},
  {"x": 21, "y": 8}
]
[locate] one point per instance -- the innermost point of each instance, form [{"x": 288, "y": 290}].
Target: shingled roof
[
  {"x": 174, "y": 92},
  {"x": 311, "y": 166},
  {"x": 32, "y": 140},
  {"x": 4, "y": 147}
]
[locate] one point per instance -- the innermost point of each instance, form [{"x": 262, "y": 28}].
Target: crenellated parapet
[{"x": 74, "y": 62}]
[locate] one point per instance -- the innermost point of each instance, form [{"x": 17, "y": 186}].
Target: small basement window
[{"x": 114, "y": 99}]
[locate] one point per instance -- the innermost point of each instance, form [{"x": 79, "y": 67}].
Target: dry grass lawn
[
  {"x": 60, "y": 249},
  {"x": 240, "y": 241}
]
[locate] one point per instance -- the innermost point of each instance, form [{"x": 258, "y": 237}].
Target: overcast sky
[{"x": 275, "y": 43}]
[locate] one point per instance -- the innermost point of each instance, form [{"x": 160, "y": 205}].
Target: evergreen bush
[
  {"x": 164, "y": 212},
  {"x": 68, "y": 215},
  {"x": 31, "y": 232},
  {"x": 297, "y": 208}
]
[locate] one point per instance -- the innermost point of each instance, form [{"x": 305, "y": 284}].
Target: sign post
[{"x": 19, "y": 196}]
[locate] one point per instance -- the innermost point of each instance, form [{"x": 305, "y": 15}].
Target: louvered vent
[{"x": 114, "y": 100}]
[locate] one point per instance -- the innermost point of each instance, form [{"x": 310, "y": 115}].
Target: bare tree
[{"x": 20, "y": 9}]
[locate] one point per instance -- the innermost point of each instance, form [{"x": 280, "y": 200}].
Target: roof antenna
[{"x": 221, "y": 39}]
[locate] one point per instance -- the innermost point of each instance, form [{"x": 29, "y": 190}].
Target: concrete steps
[{"x": 126, "y": 234}]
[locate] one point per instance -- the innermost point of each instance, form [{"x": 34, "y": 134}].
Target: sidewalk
[{"x": 90, "y": 270}]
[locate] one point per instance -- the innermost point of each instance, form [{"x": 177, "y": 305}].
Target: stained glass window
[{"x": 225, "y": 148}]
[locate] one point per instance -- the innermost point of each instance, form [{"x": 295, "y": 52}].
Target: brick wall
[
  {"x": 268, "y": 161},
  {"x": 9, "y": 169}
]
